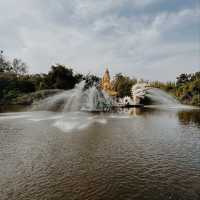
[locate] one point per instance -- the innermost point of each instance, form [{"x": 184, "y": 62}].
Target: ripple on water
[{"x": 153, "y": 156}]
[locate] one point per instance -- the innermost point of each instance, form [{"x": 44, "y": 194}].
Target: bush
[{"x": 196, "y": 100}]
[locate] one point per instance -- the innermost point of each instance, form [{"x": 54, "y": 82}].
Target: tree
[
  {"x": 4, "y": 64},
  {"x": 60, "y": 77},
  {"x": 195, "y": 76},
  {"x": 78, "y": 77},
  {"x": 123, "y": 84},
  {"x": 19, "y": 67},
  {"x": 183, "y": 78},
  {"x": 91, "y": 80}
]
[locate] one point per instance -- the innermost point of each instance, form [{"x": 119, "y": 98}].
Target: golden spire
[
  {"x": 106, "y": 76},
  {"x": 106, "y": 84}
]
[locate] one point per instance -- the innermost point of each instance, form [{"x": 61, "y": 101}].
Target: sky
[{"x": 149, "y": 39}]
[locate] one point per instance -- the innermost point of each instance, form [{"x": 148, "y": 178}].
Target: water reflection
[
  {"x": 142, "y": 111},
  {"x": 189, "y": 117},
  {"x": 13, "y": 108}
]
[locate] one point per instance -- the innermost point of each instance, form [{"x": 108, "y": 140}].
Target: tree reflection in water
[{"x": 189, "y": 117}]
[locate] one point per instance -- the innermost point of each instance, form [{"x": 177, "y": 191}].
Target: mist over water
[
  {"x": 94, "y": 99},
  {"x": 160, "y": 97},
  {"x": 77, "y": 99},
  {"x": 73, "y": 104}
]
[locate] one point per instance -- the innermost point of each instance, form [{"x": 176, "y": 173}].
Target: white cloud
[{"x": 91, "y": 34}]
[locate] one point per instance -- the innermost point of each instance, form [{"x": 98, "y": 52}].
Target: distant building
[{"x": 106, "y": 84}]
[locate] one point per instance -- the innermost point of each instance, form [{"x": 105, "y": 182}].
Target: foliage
[
  {"x": 186, "y": 88},
  {"x": 15, "y": 81},
  {"x": 90, "y": 80},
  {"x": 4, "y": 64},
  {"x": 123, "y": 84},
  {"x": 60, "y": 77}
]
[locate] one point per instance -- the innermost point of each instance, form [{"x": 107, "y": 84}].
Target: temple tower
[{"x": 106, "y": 84}]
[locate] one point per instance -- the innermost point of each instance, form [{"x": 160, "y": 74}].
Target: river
[{"x": 150, "y": 153}]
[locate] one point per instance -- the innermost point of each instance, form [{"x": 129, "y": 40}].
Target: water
[
  {"x": 60, "y": 150},
  {"x": 77, "y": 99},
  {"x": 94, "y": 99},
  {"x": 149, "y": 153}
]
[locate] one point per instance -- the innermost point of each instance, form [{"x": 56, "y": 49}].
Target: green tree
[
  {"x": 123, "y": 84},
  {"x": 60, "y": 77},
  {"x": 183, "y": 78},
  {"x": 91, "y": 80},
  {"x": 186, "y": 89}
]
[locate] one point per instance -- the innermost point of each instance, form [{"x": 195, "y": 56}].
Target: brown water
[{"x": 139, "y": 154}]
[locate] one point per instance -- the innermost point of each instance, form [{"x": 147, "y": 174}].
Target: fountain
[
  {"x": 138, "y": 92},
  {"x": 101, "y": 97},
  {"x": 127, "y": 101},
  {"x": 155, "y": 96},
  {"x": 93, "y": 99}
]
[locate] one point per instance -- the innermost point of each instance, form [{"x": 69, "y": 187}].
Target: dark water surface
[{"x": 138, "y": 154}]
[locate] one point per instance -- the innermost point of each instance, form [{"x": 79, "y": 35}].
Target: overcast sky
[{"x": 150, "y": 39}]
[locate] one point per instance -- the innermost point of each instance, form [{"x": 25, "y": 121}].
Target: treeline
[
  {"x": 15, "y": 81},
  {"x": 186, "y": 88}
]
